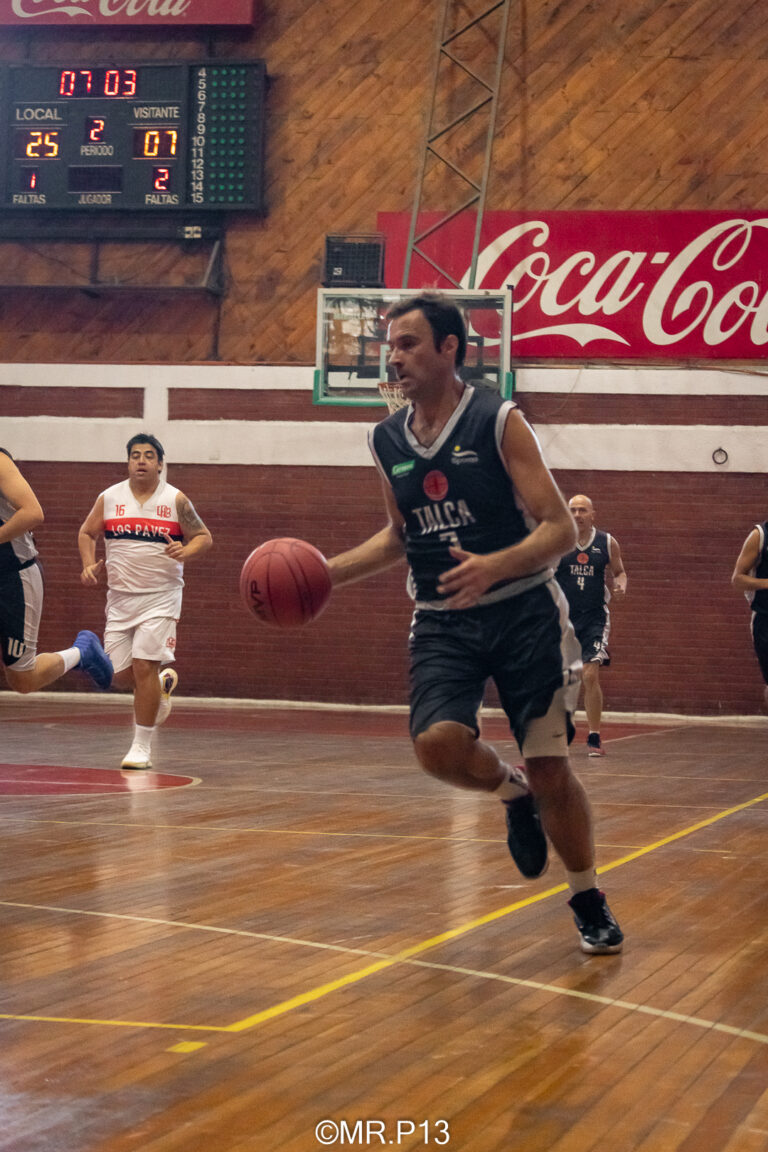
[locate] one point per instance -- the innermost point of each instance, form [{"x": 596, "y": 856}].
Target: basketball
[{"x": 285, "y": 582}]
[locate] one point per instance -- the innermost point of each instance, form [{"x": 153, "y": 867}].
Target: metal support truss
[{"x": 480, "y": 104}]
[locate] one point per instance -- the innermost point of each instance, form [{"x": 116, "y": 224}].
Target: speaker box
[{"x": 354, "y": 261}]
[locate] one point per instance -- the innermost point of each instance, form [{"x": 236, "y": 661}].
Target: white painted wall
[{"x": 612, "y": 447}]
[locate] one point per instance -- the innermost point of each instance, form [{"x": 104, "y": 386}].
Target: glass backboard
[{"x": 352, "y": 345}]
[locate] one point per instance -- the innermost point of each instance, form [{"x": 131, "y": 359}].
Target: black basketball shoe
[
  {"x": 525, "y": 836},
  {"x": 600, "y": 934}
]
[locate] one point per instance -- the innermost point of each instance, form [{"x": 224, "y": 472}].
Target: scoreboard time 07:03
[{"x": 137, "y": 136}]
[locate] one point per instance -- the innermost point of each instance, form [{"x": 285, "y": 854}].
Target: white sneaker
[
  {"x": 137, "y": 759},
  {"x": 168, "y": 680}
]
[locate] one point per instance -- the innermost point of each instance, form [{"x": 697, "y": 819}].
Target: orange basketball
[{"x": 285, "y": 582}]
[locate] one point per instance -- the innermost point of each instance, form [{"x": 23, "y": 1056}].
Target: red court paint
[{"x": 57, "y": 780}]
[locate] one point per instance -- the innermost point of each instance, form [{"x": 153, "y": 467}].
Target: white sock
[
  {"x": 514, "y": 784},
  {"x": 142, "y": 738},
  {"x": 582, "y": 881},
  {"x": 71, "y": 658}
]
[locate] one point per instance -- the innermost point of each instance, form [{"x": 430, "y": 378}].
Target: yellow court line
[
  {"x": 685, "y": 832},
  {"x": 398, "y": 958},
  {"x": 406, "y": 955},
  {"x": 435, "y": 941},
  {"x": 115, "y": 1023}
]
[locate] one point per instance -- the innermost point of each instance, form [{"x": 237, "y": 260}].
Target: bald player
[{"x": 590, "y": 574}]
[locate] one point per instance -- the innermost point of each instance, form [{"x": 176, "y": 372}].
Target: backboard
[{"x": 352, "y": 347}]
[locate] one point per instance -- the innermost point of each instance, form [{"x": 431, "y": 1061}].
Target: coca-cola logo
[
  {"x": 618, "y": 284},
  {"x": 29, "y": 9},
  {"x": 233, "y": 12}
]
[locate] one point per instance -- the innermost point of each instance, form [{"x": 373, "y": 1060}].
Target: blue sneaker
[{"x": 94, "y": 660}]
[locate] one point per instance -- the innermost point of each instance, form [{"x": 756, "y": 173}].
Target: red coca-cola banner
[
  {"x": 609, "y": 285},
  {"x": 91, "y": 13}
]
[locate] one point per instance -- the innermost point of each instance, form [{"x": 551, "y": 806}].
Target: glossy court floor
[{"x": 288, "y": 938}]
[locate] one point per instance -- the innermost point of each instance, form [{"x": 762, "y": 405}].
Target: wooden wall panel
[{"x": 647, "y": 106}]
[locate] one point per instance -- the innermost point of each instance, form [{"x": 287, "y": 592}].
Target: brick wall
[
  {"x": 680, "y": 639},
  {"x": 680, "y": 643}
]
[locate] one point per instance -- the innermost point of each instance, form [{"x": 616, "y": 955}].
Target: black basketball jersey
[
  {"x": 759, "y": 598},
  {"x": 19, "y": 552},
  {"x": 455, "y": 492},
  {"x": 581, "y": 575}
]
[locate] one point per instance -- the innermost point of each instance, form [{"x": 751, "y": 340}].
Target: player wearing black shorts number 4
[
  {"x": 590, "y": 574},
  {"x": 750, "y": 576},
  {"x": 475, "y": 510},
  {"x": 21, "y": 597}
]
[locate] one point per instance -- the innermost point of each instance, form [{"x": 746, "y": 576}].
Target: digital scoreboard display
[{"x": 134, "y": 136}]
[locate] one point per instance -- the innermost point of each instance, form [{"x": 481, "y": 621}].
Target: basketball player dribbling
[
  {"x": 150, "y": 530},
  {"x": 750, "y": 576},
  {"x": 21, "y": 597},
  {"x": 474, "y": 508}
]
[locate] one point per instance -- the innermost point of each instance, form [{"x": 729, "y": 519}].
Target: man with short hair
[
  {"x": 21, "y": 597},
  {"x": 589, "y": 575},
  {"x": 750, "y": 576},
  {"x": 475, "y": 510},
  {"x": 150, "y": 530}
]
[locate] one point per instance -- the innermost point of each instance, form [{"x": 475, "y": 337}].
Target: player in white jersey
[
  {"x": 21, "y": 597},
  {"x": 150, "y": 530}
]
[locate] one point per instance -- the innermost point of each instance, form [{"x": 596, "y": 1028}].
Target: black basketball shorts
[
  {"x": 525, "y": 644},
  {"x": 21, "y": 605},
  {"x": 760, "y": 641},
  {"x": 592, "y": 632}
]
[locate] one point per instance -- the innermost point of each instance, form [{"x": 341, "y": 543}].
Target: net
[
  {"x": 392, "y": 395},
  {"x": 352, "y": 349}
]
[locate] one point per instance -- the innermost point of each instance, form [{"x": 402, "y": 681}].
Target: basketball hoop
[{"x": 392, "y": 394}]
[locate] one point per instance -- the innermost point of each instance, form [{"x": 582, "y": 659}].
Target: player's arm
[
  {"x": 197, "y": 538},
  {"x": 741, "y": 579},
  {"x": 553, "y": 536},
  {"x": 87, "y": 538},
  {"x": 18, "y": 492},
  {"x": 375, "y": 554},
  {"x": 618, "y": 573}
]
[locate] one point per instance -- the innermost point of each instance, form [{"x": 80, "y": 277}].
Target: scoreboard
[{"x": 138, "y": 136}]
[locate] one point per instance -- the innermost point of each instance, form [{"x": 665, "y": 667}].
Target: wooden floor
[{"x": 291, "y": 927}]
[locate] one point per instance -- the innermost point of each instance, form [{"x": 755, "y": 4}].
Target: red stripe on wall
[
  {"x": 594, "y": 408},
  {"x": 90, "y": 403},
  {"x": 237, "y": 404}
]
